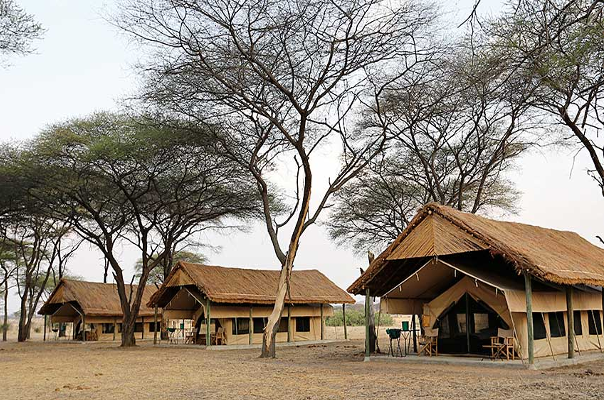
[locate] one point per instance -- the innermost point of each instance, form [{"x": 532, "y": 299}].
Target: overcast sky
[{"x": 83, "y": 64}]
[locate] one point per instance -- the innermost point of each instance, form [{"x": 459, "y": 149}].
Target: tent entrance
[{"x": 466, "y": 326}]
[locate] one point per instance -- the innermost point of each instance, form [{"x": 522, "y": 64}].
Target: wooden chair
[
  {"x": 219, "y": 338},
  {"x": 429, "y": 342},
  {"x": 503, "y": 345}
]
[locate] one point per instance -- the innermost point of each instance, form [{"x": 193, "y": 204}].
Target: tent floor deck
[{"x": 472, "y": 360}]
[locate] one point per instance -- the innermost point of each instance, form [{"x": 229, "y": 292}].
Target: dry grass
[{"x": 55, "y": 370}]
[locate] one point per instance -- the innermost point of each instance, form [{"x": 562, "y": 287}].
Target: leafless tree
[
  {"x": 17, "y": 29},
  {"x": 557, "y": 46},
  {"x": 290, "y": 78},
  {"x": 457, "y": 126}
]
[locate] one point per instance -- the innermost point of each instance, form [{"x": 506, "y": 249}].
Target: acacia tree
[
  {"x": 118, "y": 179},
  {"x": 7, "y": 272},
  {"x": 159, "y": 274},
  {"x": 557, "y": 45},
  {"x": 457, "y": 127},
  {"x": 30, "y": 239},
  {"x": 34, "y": 239},
  {"x": 288, "y": 77}
]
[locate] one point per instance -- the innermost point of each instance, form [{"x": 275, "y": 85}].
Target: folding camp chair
[
  {"x": 429, "y": 342},
  {"x": 503, "y": 345},
  {"x": 219, "y": 338}
]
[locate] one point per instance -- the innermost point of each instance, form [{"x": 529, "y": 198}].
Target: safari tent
[
  {"x": 468, "y": 276},
  {"x": 96, "y": 307},
  {"x": 234, "y": 303}
]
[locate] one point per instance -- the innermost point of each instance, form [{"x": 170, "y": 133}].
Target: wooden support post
[
  {"x": 250, "y": 327},
  {"x": 208, "y": 338},
  {"x": 321, "y": 317},
  {"x": 414, "y": 333},
  {"x": 468, "y": 324},
  {"x": 530, "y": 320},
  {"x": 115, "y": 328},
  {"x": 143, "y": 328},
  {"x": 344, "y": 320},
  {"x": 570, "y": 322},
  {"x": 44, "y": 328},
  {"x": 289, "y": 325},
  {"x": 368, "y": 305},
  {"x": 155, "y": 325}
]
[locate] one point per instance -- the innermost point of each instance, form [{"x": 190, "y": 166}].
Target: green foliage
[
  {"x": 357, "y": 318},
  {"x": 156, "y": 276}
]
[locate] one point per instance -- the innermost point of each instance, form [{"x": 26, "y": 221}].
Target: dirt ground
[{"x": 60, "y": 370}]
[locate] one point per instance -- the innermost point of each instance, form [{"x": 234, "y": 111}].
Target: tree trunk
[
  {"x": 5, "y": 322},
  {"x": 371, "y": 310},
  {"x": 22, "y": 334},
  {"x": 128, "y": 339},
  {"x": 106, "y": 270},
  {"x": 268, "y": 349}
]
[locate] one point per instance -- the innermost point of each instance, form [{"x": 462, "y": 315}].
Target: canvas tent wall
[
  {"x": 240, "y": 300},
  {"x": 99, "y": 305},
  {"x": 417, "y": 273}
]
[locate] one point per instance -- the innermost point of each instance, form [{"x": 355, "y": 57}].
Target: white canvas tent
[{"x": 469, "y": 275}]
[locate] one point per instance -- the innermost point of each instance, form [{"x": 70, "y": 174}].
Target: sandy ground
[{"x": 60, "y": 370}]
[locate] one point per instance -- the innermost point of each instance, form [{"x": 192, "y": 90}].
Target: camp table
[
  {"x": 407, "y": 335},
  {"x": 171, "y": 336},
  {"x": 394, "y": 336}
]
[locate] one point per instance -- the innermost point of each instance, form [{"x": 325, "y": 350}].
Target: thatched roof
[
  {"x": 554, "y": 256},
  {"x": 94, "y": 298},
  {"x": 252, "y": 286}
]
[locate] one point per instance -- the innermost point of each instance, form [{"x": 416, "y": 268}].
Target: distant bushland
[{"x": 357, "y": 318}]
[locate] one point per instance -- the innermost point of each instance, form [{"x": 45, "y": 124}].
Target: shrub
[
  {"x": 357, "y": 318},
  {"x": 37, "y": 329}
]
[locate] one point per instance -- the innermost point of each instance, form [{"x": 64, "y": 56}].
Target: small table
[{"x": 394, "y": 336}]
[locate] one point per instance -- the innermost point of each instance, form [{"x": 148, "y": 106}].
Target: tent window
[
  {"x": 539, "y": 327},
  {"x": 243, "y": 326},
  {"x": 577, "y": 323},
  {"x": 106, "y": 328},
  {"x": 259, "y": 325},
  {"x": 152, "y": 327},
  {"x": 138, "y": 327},
  {"x": 303, "y": 324},
  {"x": 594, "y": 322},
  {"x": 461, "y": 319},
  {"x": 283, "y": 325},
  {"x": 557, "y": 326},
  {"x": 481, "y": 322}
]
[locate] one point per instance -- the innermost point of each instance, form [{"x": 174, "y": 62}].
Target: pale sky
[{"x": 83, "y": 64}]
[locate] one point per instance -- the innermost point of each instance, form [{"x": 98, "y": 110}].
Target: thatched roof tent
[
  {"x": 94, "y": 299},
  {"x": 251, "y": 286},
  {"x": 550, "y": 255}
]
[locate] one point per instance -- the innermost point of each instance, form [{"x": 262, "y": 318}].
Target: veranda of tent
[
  {"x": 98, "y": 306},
  {"x": 240, "y": 300},
  {"x": 468, "y": 276}
]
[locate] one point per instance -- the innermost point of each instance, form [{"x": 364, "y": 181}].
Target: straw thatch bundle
[
  {"x": 559, "y": 257},
  {"x": 94, "y": 298},
  {"x": 252, "y": 286}
]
